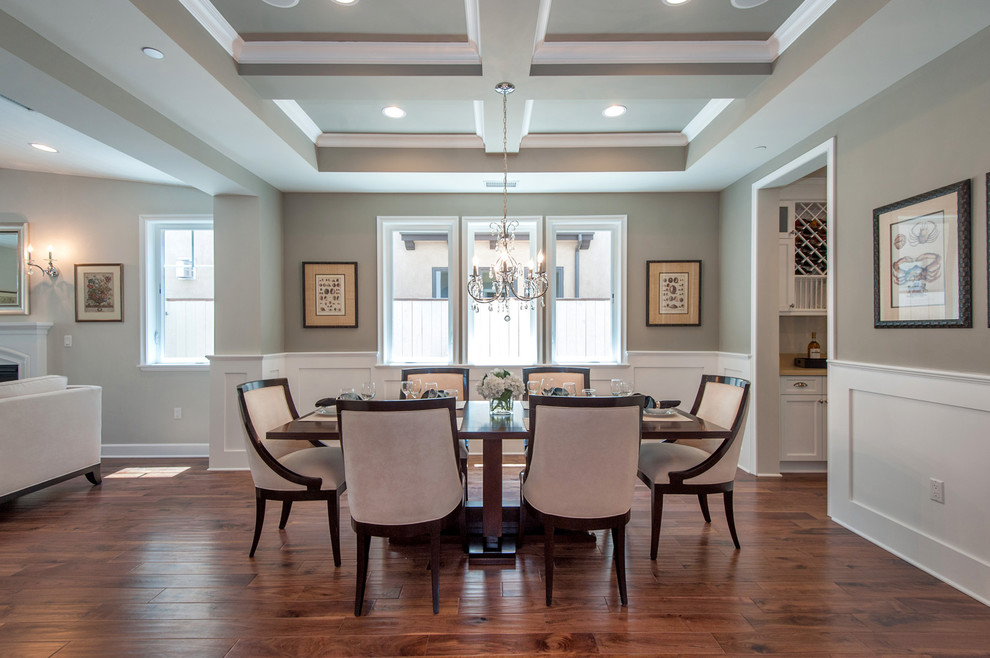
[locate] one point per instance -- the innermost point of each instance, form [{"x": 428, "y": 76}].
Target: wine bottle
[{"x": 814, "y": 349}]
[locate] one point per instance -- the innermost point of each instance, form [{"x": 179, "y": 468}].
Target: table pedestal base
[{"x": 492, "y": 550}]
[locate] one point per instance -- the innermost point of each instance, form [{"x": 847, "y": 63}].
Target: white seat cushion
[
  {"x": 325, "y": 462},
  {"x": 657, "y": 460}
]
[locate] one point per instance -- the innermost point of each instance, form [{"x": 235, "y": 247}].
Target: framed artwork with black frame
[
  {"x": 921, "y": 260},
  {"x": 99, "y": 292},
  {"x": 330, "y": 295},
  {"x": 673, "y": 293}
]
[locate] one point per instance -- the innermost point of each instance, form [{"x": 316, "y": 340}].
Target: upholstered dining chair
[
  {"x": 404, "y": 480},
  {"x": 287, "y": 470},
  {"x": 446, "y": 378},
  {"x": 699, "y": 466},
  {"x": 580, "y": 377},
  {"x": 581, "y": 470}
]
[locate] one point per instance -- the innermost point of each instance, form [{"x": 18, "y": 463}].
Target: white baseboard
[{"x": 153, "y": 450}]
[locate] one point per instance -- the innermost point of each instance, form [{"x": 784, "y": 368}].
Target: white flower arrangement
[{"x": 500, "y": 384}]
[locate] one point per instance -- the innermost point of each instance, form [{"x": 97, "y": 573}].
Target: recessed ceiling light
[
  {"x": 746, "y": 4},
  {"x": 675, "y": 3},
  {"x": 44, "y": 147},
  {"x": 281, "y": 4},
  {"x": 153, "y": 53},
  {"x": 345, "y": 2},
  {"x": 760, "y": 148},
  {"x": 393, "y": 112},
  {"x": 613, "y": 111}
]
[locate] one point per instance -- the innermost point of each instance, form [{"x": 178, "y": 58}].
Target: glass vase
[{"x": 500, "y": 406}]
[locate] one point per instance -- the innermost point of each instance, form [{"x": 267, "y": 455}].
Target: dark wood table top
[{"x": 478, "y": 423}]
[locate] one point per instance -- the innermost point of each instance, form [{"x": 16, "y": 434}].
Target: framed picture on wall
[
  {"x": 330, "y": 295},
  {"x": 921, "y": 260},
  {"x": 99, "y": 292},
  {"x": 673, "y": 292}
]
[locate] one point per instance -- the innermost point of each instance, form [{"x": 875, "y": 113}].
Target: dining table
[{"x": 494, "y": 517}]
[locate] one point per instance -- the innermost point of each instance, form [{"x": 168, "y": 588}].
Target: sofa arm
[{"x": 47, "y": 435}]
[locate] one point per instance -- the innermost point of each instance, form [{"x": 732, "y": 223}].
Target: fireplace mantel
[{"x": 26, "y": 345}]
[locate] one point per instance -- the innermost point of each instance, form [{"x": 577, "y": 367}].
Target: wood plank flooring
[{"x": 159, "y": 567}]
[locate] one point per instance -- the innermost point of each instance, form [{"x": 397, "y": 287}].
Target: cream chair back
[
  {"x": 583, "y": 456},
  {"x": 720, "y": 403},
  {"x": 401, "y": 464}
]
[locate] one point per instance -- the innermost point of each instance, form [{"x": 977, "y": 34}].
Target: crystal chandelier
[{"x": 510, "y": 281}]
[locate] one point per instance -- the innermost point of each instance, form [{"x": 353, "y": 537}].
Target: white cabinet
[
  {"x": 801, "y": 259},
  {"x": 803, "y": 417}
]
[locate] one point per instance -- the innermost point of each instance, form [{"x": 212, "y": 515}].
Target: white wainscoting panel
[
  {"x": 891, "y": 430},
  {"x": 741, "y": 365},
  {"x": 227, "y": 436}
]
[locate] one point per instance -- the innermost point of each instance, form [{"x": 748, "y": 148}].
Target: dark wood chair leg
[
  {"x": 619, "y": 555},
  {"x": 727, "y": 498},
  {"x": 655, "y": 524},
  {"x": 703, "y": 499},
  {"x": 94, "y": 475},
  {"x": 259, "y": 520},
  {"x": 333, "y": 511},
  {"x": 522, "y": 517},
  {"x": 548, "y": 559},
  {"x": 286, "y": 508},
  {"x": 462, "y": 521},
  {"x": 363, "y": 551},
  {"x": 435, "y": 565}
]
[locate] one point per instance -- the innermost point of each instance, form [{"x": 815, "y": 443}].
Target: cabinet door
[
  {"x": 802, "y": 427},
  {"x": 785, "y": 274}
]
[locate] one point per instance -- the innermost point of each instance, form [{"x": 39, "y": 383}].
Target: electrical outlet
[
  {"x": 938, "y": 491},
  {"x": 177, "y": 413},
  {"x": 67, "y": 340}
]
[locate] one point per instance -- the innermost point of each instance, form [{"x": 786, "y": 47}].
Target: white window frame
[
  {"x": 583, "y": 223},
  {"x": 387, "y": 225},
  {"x": 151, "y": 286},
  {"x": 467, "y": 251}
]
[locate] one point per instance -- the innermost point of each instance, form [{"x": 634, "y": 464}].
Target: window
[
  {"x": 426, "y": 316},
  {"x": 177, "y": 290},
  {"x": 417, "y": 256},
  {"x": 587, "y": 307},
  {"x": 497, "y": 337}
]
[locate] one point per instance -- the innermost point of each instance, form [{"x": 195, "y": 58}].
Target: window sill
[{"x": 174, "y": 367}]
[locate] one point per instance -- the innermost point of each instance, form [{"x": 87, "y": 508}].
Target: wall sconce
[{"x": 51, "y": 270}]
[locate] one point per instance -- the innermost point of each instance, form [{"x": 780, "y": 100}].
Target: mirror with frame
[{"x": 13, "y": 269}]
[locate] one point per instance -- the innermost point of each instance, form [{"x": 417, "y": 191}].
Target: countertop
[{"x": 788, "y": 368}]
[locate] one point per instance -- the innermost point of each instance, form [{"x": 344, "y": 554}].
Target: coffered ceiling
[{"x": 249, "y": 94}]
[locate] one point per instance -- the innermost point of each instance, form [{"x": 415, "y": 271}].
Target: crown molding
[
  {"x": 803, "y": 18},
  {"x": 214, "y": 23},
  {"x": 654, "y": 52},
  {"x": 602, "y": 140},
  {"x": 391, "y": 140},
  {"x": 299, "y": 117},
  {"x": 356, "y": 52},
  {"x": 707, "y": 114}
]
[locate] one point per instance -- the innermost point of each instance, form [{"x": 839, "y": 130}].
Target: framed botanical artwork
[
  {"x": 330, "y": 295},
  {"x": 921, "y": 260},
  {"x": 100, "y": 292},
  {"x": 673, "y": 292}
]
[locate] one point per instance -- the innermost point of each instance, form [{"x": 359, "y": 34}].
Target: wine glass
[
  {"x": 430, "y": 386},
  {"x": 450, "y": 392},
  {"x": 547, "y": 385},
  {"x": 407, "y": 389},
  {"x": 533, "y": 386},
  {"x": 368, "y": 390},
  {"x": 570, "y": 388},
  {"x": 588, "y": 392},
  {"x": 616, "y": 386},
  {"x": 348, "y": 393},
  {"x": 626, "y": 389}
]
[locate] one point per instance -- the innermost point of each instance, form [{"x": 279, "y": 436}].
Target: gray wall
[
  {"x": 89, "y": 220},
  {"x": 342, "y": 227},
  {"x": 928, "y": 130}
]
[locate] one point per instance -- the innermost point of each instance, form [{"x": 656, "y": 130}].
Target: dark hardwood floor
[{"x": 159, "y": 567}]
